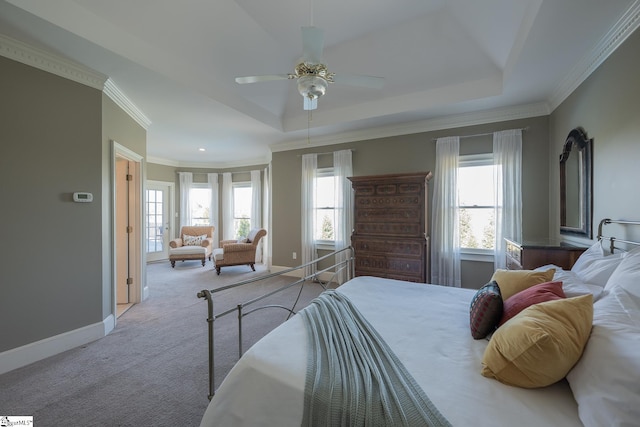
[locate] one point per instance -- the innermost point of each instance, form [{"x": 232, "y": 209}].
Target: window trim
[
  {"x": 476, "y": 254},
  {"x": 234, "y": 185},
  {"x": 324, "y": 244}
]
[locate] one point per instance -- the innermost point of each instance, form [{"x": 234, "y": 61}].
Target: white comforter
[{"x": 427, "y": 326}]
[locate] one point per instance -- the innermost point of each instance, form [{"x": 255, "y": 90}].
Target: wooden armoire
[{"x": 391, "y": 233}]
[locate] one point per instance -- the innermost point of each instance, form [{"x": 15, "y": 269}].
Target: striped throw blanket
[{"x": 353, "y": 377}]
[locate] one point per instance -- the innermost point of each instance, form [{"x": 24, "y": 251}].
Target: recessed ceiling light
[{"x": 201, "y": 149}]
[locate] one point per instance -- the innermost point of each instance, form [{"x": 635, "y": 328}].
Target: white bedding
[{"x": 427, "y": 326}]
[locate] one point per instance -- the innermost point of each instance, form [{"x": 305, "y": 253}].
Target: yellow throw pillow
[
  {"x": 541, "y": 344},
  {"x": 513, "y": 281}
]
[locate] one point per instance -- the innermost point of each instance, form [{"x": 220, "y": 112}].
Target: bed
[{"x": 428, "y": 328}]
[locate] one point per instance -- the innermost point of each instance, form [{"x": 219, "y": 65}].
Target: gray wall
[
  {"x": 607, "y": 106},
  {"x": 413, "y": 153},
  {"x": 51, "y": 278},
  {"x": 159, "y": 172},
  {"x": 52, "y": 143}
]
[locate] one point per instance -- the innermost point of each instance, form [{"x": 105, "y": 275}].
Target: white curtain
[
  {"x": 445, "y": 239},
  {"x": 266, "y": 210},
  {"x": 186, "y": 180},
  {"x": 227, "y": 207},
  {"x": 342, "y": 169},
  {"x": 212, "y": 179},
  {"x": 507, "y": 157},
  {"x": 309, "y": 252},
  {"x": 256, "y": 208}
]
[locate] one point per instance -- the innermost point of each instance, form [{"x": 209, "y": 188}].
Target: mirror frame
[{"x": 578, "y": 138}]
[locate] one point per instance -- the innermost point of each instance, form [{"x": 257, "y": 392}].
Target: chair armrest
[
  {"x": 237, "y": 247},
  {"x": 207, "y": 242},
  {"x": 175, "y": 243},
  {"x": 227, "y": 242}
]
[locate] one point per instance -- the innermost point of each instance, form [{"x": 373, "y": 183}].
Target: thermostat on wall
[{"x": 82, "y": 197}]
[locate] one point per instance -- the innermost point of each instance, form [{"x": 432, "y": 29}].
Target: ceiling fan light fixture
[{"x": 311, "y": 88}]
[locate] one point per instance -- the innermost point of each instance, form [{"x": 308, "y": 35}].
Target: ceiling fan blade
[
  {"x": 312, "y": 44},
  {"x": 359, "y": 80},
  {"x": 257, "y": 79}
]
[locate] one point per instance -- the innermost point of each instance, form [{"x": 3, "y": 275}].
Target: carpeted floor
[{"x": 152, "y": 369}]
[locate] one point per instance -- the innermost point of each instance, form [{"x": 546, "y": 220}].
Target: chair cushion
[
  {"x": 188, "y": 250},
  {"x": 218, "y": 254}
]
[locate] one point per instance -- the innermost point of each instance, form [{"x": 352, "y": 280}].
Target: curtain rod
[
  {"x": 220, "y": 173},
  {"x": 524, "y": 129},
  {"x": 326, "y": 152}
]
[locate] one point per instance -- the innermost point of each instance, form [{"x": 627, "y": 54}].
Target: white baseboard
[
  {"x": 109, "y": 324},
  {"x": 33, "y": 352}
]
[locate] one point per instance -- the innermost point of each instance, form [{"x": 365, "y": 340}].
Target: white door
[
  {"x": 157, "y": 219},
  {"x": 123, "y": 230}
]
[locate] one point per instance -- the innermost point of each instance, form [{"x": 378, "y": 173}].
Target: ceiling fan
[{"x": 313, "y": 76}]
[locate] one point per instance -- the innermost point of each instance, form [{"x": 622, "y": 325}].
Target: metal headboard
[{"x": 614, "y": 240}]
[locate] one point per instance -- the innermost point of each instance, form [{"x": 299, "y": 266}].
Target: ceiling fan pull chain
[{"x": 309, "y": 126}]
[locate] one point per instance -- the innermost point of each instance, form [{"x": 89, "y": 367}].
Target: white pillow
[
  {"x": 572, "y": 285},
  {"x": 606, "y": 380},
  {"x": 594, "y": 266},
  {"x": 627, "y": 275}
]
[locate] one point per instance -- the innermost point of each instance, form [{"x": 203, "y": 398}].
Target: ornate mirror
[{"x": 575, "y": 185}]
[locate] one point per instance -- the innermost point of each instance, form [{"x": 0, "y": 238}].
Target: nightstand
[{"x": 530, "y": 254}]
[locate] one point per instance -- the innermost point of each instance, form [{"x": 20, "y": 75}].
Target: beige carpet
[{"x": 152, "y": 369}]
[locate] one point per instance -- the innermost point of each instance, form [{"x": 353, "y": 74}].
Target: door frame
[
  {"x": 139, "y": 290},
  {"x": 171, "y": 208}
]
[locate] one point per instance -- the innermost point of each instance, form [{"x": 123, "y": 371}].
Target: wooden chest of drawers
[
  {"x": 390, "y": 235},
  {"x": 528, "y": 255}
]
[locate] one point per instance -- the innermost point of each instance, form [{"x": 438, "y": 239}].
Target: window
[
  {"x": 200, "y": 201},
  {"x": 242, "y": 195},
  {"x": 155, "y": 220},
  {"x": 476, "y": 203},
  {"x": 324, "y": 207}
]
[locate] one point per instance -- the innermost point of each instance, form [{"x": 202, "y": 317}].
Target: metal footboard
[{"x": 242, "y": 309}]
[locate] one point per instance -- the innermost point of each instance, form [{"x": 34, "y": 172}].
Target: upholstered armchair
[
  {"x": 194, "y": 243},
  {"x": 234, "y": 252}
]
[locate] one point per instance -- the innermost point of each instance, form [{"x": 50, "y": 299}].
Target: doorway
[
  {"x": 128, "y": 231},
  {"x": 159, "y": 203}
]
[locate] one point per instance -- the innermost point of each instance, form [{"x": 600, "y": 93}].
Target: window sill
[
  {"x": 478, "y": 257},
  {"x": 325, "y": 246}
]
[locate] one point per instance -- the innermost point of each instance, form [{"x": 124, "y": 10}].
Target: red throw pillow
[{"x": 542, "y": 292}]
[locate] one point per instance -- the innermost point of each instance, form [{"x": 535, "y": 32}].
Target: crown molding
[
  {"x": 213, "y": 165},
  {"x": 113, "y": 92},
  {"x": 430, "y": 125},
  {"x": 65, "y": 68},
  {"x": 45, "y": 61},
  {"x": 627, "y": 24}
]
